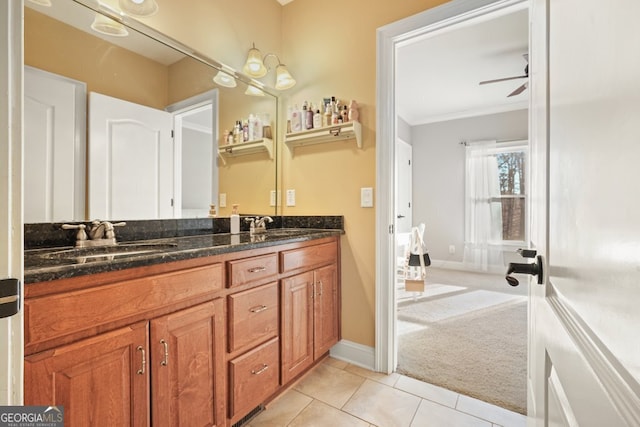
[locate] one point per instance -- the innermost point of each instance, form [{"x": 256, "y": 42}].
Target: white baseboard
[{"x": 354, "y": 353}]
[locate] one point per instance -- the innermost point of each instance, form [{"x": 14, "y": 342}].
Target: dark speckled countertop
[
  {"x": 63, "y": 262},
  {"x": 50, "y": 254}
]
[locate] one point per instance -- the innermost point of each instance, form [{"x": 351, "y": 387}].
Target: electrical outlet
[
  {"x": 291, "y": 197},
  {"x": 452, "y": 249},
  {"x": 223, "y": 200}
]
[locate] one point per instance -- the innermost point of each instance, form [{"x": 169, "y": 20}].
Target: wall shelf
[
  {"x": 343, "y": 131},
  {"x": 246, "y": 148}
]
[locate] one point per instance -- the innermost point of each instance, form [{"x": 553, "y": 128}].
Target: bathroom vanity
[{"x": 194, "y": 330}]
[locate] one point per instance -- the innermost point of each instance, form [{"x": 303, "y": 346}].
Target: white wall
[
  {"x": 197, "y": 155},
  {"x": 438, "y": 174},
  {"x": 404, "y": 130}
]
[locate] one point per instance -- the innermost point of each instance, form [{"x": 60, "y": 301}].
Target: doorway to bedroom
[{"x": 468, "y": 330}]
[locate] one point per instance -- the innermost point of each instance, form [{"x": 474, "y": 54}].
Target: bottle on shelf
[{"x": 317, "y": 119}]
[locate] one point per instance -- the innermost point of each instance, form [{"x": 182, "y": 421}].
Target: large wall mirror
[{"x": 133, "y": 125}]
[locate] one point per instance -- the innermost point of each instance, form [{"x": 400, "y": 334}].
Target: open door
[
  {"x": 584, "y": 367},
  {"x": 131, "y": 160}
]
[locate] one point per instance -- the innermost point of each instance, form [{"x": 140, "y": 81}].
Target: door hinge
[
  {"x": 171, "y": 202},
  {"x": 391, "y": 229},
  {"x": 172, "y": 134},
  {"x": 409, "y": 162}
]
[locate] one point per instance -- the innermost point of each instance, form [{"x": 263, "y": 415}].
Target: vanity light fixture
[
  {"x": 224, "y": 79},
  {"x": 255, "y": 67},
  {"x": 139, "y": 8},
  {"x": 253, "y": 91},
  {"x": 108, "y": 26}
]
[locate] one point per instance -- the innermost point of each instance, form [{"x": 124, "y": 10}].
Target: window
[{"x": 512, "y": 166}]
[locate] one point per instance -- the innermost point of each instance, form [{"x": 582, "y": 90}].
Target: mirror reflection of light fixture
[
  {"x": 108, "y": 26},
  {"x": 253, "y": 91},
  {"x": 139, "y": 8},
  {"x": 255, "y": 67},
  {"x": 224, "y": 79},
  {"x": 46, "y": 3}
]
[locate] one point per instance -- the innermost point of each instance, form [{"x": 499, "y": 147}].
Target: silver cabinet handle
[
  {"x": 257, "y": 269},
  {"x": 165, "y": 361},
  {"x": 261, "y": 370},
  {"x": 258, "y": 308},
  {"x": 141, "y": 371}
]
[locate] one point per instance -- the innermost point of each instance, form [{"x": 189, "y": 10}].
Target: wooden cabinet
[
  {"x": 187, "y": 367},
  {"x": 201, "y": 342},
  {"x": 100, "y": 381},
  {"x": 310, "y": 313}
]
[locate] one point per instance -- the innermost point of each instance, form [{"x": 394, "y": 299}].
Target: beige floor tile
[
  {"x": 427, "y": 391},
  {"x": 431, "y": 414},
  {"x": 489, "y": 412},
  {"x": 320, "y": 414},
  {"x": 389, "y": 380},
  {"x": 339, "y": 364},
  {"x": 382, "y": 405},
  {"x": 329, "y": 385},
  {"x": 282, "y": 411}
]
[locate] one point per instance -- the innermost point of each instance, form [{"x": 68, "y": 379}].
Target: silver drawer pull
[
  {"x": 258, "y": 308},
  {"x": 144, "y": 361},
  {"x": 257, "y": 269},
  {"x": 261, "y": 370}
]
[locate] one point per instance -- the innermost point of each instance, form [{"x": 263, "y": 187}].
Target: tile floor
[{"x": 338, "y": 394}]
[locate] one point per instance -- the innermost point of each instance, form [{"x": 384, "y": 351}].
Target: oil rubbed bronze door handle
[{"x": 534, "y": 269}]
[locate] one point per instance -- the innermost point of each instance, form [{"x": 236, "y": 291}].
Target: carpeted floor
[{"x": 469, "y": 340}]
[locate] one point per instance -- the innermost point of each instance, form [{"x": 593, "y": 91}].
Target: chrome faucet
[
  {"x": 100, "y": 233},
  {"x": 258, "y": 225},
  {"x": 261, "y": 226}
]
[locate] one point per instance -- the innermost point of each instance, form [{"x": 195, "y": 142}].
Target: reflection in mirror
[{"x": 126, "y": 127}]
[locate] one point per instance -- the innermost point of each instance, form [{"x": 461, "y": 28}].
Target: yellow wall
[
  {"x": 330, "y": 48},
  {"x": 62, "y": 49}
]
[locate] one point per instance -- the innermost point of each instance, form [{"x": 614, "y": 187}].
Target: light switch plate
[
  {"x": 223, "y": 200},
  {"x": 275, "y": 198},
  {"x": 291, "y": 197},
  {"x": 366, "y": 197}
]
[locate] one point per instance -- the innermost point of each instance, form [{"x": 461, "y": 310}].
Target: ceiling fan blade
[
  {"x": 503, "y": 79},
  {"x": 519, "y": 90}
]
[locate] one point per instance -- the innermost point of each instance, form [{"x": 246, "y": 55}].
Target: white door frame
[
  {"x": 388, "y": 37},
  {"x": 11, "y": 224}
]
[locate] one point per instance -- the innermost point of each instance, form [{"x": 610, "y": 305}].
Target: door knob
[{"x": 534, "y": 269}]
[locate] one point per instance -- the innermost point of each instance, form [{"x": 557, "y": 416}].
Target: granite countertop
[{"x": 65, "y": 262}]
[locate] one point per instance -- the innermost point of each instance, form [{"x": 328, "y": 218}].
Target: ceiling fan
[{"x": 520, "y": 88}]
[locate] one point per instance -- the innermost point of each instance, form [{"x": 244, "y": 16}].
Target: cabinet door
[
  {"x": 296, "y": 325},
  {"x": 326, "y": 322},
  {"x": 187, "y": 367},
  {"x": 100, "y": 381}
]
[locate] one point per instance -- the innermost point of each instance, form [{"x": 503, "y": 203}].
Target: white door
[
  {"x": 584, "y": 350},
  {"x": 54, "y": 147},
  {"x": 11, "y": 225},
  {"x": 131, "y": 160},
  {"x": 404, "y": 181}
]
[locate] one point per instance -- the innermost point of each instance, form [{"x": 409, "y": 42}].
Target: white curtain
[{"x": 483, "y": 208}]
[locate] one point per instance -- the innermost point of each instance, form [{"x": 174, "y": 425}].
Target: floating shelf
[
  {"x": 245, "y": 148},
  {"x": 343, "y": 131}
]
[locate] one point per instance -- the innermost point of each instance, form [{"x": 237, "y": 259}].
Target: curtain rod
[{"x": 499, "y": 141}]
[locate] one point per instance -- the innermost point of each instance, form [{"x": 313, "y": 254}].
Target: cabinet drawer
[
  {"x": 253, "y": 377},
  {"x": 309, "y": 256},
  {"x": 247, "y": 270},
  {"x": 253, "y": 316},
  {"x": 57, "y": 315}
]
